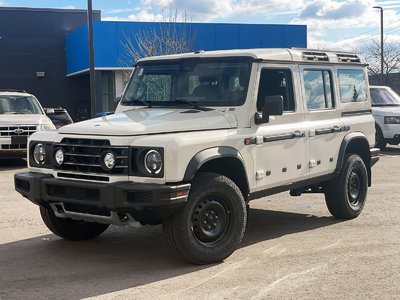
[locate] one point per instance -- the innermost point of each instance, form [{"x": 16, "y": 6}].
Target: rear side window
[
  {"x": 276, "y": 82},
  {"x": 318, "y": 88},
  {"x": 352, "y": 85}
]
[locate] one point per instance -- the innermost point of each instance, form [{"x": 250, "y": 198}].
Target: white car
[
  {"x": 386, "y": 112},
  {"x": 20, "y": 116}
]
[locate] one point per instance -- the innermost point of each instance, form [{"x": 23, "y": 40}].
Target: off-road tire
[
  {"x": 212, "y": 223},
  {"x": 71, "y": 229},
  {"x": 345, "y": 196}
]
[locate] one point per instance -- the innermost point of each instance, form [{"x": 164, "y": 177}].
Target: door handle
[{"x": 336, "y": 128}]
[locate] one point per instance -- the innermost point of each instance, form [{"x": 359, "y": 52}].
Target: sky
[{"x": 336, "y": 24}]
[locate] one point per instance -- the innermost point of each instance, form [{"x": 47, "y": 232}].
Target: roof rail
[
  {"x": 12, "y": 90},
  {"x": 315, "y": 56},
  {"x": 344, "y": 57}
]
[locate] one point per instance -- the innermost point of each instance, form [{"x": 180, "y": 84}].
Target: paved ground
[{"x": 293, "y": 249}]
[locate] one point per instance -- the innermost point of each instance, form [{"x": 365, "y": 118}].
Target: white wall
[{"x": 121, "y": 79}]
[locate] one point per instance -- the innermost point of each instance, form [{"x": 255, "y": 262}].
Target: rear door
[{"x": 325, "y": 126}]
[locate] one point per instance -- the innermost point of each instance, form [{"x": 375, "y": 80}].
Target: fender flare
[
  {"x": 343, "y": 149},
  {"x": 209, "y": 154}
]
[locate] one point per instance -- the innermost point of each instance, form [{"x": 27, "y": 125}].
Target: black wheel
[
  {"x": 345, "y": 196},
  {"x": 70, "y": 229},
  {"x": 211, "y": 224},
  {"x": 380, "y": 141}
]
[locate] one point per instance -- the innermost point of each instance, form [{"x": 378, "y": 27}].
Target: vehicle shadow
[
  {"x": 391, "y": 150},
  {"x": 8, "y": 164},
  {"x": 122, "y": 258},
  {"x": 267, "y": 224}
]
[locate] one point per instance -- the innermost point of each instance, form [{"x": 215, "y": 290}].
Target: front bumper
[{"x": 145, "y": 202}]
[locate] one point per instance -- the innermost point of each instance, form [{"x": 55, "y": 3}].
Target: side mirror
[
  {"x": 273, "y": 106},
  {"x": 49, "y": 111}
]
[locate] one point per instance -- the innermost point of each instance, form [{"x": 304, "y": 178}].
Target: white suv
[
  {"x": 196, "y": 136},
  {"x": 20, "y": 116},
  {"x": 386, "y": 112}
]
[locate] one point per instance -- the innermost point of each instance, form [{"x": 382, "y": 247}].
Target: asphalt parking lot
[{"x": 293, "y": 249}]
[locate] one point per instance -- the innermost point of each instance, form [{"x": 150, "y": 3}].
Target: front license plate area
[{"x": 19, "y": 140}]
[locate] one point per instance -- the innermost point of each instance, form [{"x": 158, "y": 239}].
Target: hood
[
  {"x": 152, "y": 120},
  {"x": 23, "y": 119},
  {"x": 386, "y": 110}
]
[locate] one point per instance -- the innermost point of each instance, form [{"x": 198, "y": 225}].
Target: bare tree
[
  {"x": 170, "y": 36},
  {"x": 391, "y": 59}
]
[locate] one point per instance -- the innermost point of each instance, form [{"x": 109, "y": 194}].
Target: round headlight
[
  {"x": 59, "y": 157},
  {"x": 108, "y": 161},
  {"x": 153, "y": 162},
  {"x": 39, "y": 154}
]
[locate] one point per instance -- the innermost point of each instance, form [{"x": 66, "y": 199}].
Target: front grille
[
  {"x": 83, "y": 155},
  {"x": 21, "y": 130},
  {"x": 80, "y": 176},
  {"x": 14, "y": 147}
]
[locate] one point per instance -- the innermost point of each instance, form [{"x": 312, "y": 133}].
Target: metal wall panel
[
  {"x": 111, "y": 39},
  {"x": 33, "y": 40}
]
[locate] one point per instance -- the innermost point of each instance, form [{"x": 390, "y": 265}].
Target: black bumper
[{"x": 145, "y": 201}]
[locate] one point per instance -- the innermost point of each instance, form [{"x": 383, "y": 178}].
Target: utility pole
[
  {"x": 91, "y": 61},
  {"x": 381, "y": 9}
]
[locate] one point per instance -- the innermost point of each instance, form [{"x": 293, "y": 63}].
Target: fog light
[
  {"x": 59, "y": 157},
  {"x": 108, "y": 161}
]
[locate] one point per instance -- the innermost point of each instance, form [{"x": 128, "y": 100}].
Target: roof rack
[
  {"x": 344, "y": 57},
  {"x": 12, "y": 90},
  {"x": 315, "y": 56}
]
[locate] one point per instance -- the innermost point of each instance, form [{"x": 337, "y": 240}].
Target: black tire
[
  {"x": 70, "y": 229},
  {"x": 345, "y": 196},
  {"x": 380, "y": 141},
  {"x": 212, "y": 223}
]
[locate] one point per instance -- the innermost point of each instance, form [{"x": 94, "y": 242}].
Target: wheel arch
[
  {"x": 357, "y": 143},
  {"x": 223, "y": 160}
]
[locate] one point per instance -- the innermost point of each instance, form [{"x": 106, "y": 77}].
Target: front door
[{"x": 281, "y": 154}]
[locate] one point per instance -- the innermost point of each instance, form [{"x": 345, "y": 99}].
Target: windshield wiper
[
  {"x": 135, "y": 102},
  {"x": 193, "y": 104}
]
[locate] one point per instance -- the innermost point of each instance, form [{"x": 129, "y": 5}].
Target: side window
[
  {"x": 352, "y": 85},
  {"x": 276, "y": 82},
  {"x": 318, "y": 88}
]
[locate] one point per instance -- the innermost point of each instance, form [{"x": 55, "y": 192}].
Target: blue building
[{"x": 58, "y": 51}]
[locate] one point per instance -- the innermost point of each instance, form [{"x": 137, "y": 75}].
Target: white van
[{"x": 20, "y": 115}]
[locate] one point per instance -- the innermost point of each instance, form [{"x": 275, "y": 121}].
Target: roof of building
[{"x": 62, "y": 10}]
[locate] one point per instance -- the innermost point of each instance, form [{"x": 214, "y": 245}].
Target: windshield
[
  {"x": 19, "y": 105},
  {"x": 207, "y": 82},
  {"x": 384, "y": 97}
]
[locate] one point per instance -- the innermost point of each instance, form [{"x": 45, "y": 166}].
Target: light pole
[
  {"x": 381, "y": 9},
  {"x": 91, "y": 61}
]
